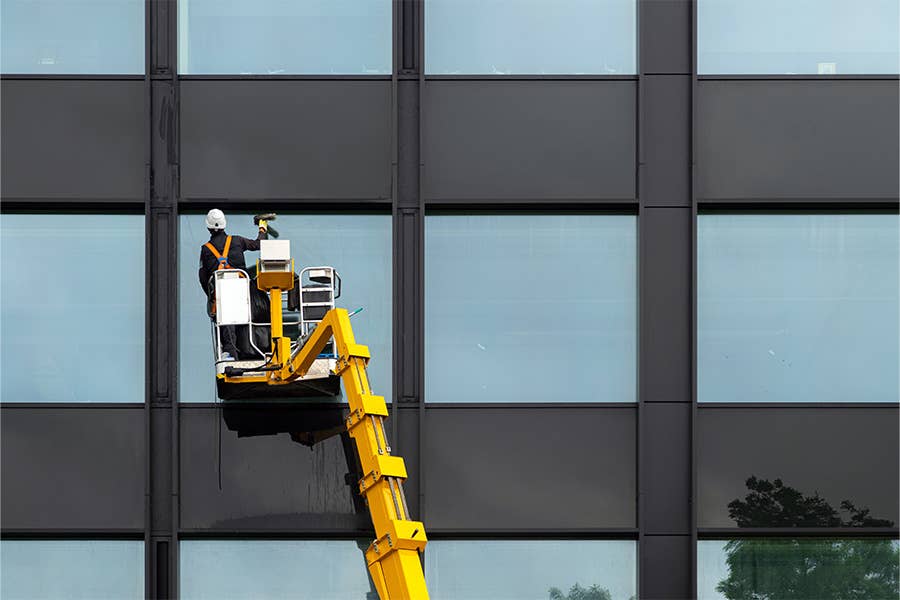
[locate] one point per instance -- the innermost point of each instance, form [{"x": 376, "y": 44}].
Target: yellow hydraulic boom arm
[{"x": 393, "y": 558}]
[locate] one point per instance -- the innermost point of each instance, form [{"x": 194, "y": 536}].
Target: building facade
[{"x": 629, "y": 272}]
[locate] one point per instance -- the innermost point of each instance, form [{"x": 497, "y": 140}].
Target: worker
[{"x": 224, "y": 251}]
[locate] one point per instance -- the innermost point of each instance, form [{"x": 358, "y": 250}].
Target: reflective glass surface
[
  {"x": 530, "y": 308},
  {"x": 93, "y": 37},
  {"x": 504, "y": 37},
  {"x": 274, "y": 569},
  {"x": 283, "y": 37},
  {"x": 820, "y": 37},
  {"x": 531, "y": 569},
  {"x": 798, "y": 307},
  {"x": 357, "y": 245},
  {"x": 800, "y": 569},
  {"x": 797, "y": 467},
  {"x": 72, "y": 308},
  {"x": 71, "y": 569}
]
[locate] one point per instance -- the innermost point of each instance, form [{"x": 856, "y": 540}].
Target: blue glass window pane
[
  {"x": 284, "y": 37},
  {"x": 357, "y": 245},
  {"x": 824, "y": 37},
  {"x": 71, "y": 569},
  {"x": 92, "y": 37},
  {"x": 504, "y": 37},
  {"x": 270, "y": 569},
  {"x": 530, "y": 308},
  {"x": 798, "y": 307},
  {"x": 800, "y": 569},
  {"x": 530, "y": 569},
  {"x": 72, "y": 308}
]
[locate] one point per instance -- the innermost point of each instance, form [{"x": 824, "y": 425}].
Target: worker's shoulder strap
[{"x": 223, "y": 257}]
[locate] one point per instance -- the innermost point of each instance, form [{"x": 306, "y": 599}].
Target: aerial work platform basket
[
  {"x": 312, "y": 355},
  {"x": 240, "y": 321}
]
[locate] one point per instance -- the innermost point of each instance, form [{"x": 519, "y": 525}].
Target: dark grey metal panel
[
  {"x": 73, "y": 468},
  {"x": 268, "y": 482},
  {"x": 666, "y": 569},
  {"x": 73, "y": 139},
  {"x": 665, "y": 36},
  {"x": 665, "y": 330},
  {"x": 289, "y": 139},
  {"x": 161, "y": 470},
  {"x": 837, "y": 453},
  {"x": 406, "y": 422},
  {"x": 161, "y": 228},
  {"x": 666, "y": 140},
  {"x": 797, "y": 139},
  {"x": 529, "y": 468},
  {"x": 407, "y": 259},
  {"x": 408, "y": 143},
  {"x": 525, "y": 140},
  {"x": 665, "y": 468}
]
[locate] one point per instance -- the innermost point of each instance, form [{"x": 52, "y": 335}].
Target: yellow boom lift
[{"x": 292, "y": 366}]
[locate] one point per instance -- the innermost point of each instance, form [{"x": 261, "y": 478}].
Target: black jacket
[{"x": 239, "y": 245}]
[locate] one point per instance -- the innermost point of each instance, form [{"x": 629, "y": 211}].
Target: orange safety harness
[
  {"x": 223, "y": 264},
  {"x": 222, "y": 258}
]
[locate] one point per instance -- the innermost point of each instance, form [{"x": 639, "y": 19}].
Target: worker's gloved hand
[{"x": 262, "y": 221}]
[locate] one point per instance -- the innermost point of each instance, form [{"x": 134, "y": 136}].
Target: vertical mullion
[
  {"x": 420, "y": 249},
  {"x": 665, "y": 511},
  {"x": 161, "y": 229},
  {"x": 149, "y": 303},
  {"x": 693, "y": 322}
]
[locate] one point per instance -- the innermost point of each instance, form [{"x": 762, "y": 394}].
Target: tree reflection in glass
[
  {"x": 576, "y": 592},
  {"x": 806, "y": 568}
]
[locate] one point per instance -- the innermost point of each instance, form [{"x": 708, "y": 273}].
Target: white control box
[
  {"x": 232, "y": 299},
  {"x": 275, "y": 250}
]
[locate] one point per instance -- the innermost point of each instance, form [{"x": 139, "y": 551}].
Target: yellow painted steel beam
[{"x": 393, "y": 558}]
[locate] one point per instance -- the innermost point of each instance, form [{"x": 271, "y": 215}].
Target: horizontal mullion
[
  {"x": 72, "y": 534},
  {"x": 280, "y": 534},
  {"x": 530, "y": 405},
  {"x": 800, "y": 77},
  {"x": 824, "y": 532},
  {"x": 257, "y": 404},
  {"x": 630, "y": 204},
  {"x": 316, "y": 203},
  {"x": 78, "y": 405},
  {"x": 262, "y": 77},
  {"x": 799, "y": 203},
  {"x": 795, "y": 405},
  {"x": 73, "y": 204},
  {"x": 68, "y": 77},
  {"x": 532, "y": 77},
  {"x": 612, "y": 533}
]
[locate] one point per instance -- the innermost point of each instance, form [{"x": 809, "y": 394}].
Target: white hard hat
[{"x": 215, "y": 219}]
